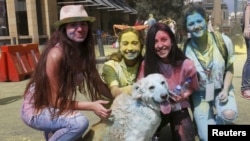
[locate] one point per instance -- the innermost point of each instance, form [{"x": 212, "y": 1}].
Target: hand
[
  {"x": 247, "y": 33},
  {"x": 223, "y": 96},
  {"x": 175, "y": 97},
  {"x": 100, "y": 110},
  {"x": 182, "y": 97}
]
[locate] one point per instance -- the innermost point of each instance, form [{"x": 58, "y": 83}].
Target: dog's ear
[{"x": 136, "y": 90}]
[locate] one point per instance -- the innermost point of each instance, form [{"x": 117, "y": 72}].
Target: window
[
  {"x": 3, "y": 19},
  {"x": 21, "y": 17}
]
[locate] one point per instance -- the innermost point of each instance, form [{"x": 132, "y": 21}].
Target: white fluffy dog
[{"x": 136, "y": 117}]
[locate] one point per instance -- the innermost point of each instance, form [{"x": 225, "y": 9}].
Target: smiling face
[
  {"x": 77, "y": 31},
  {"x": 196, "y": 25},
  {"x": 162, "y": 44},
  {"x": 130, "y": 46}
]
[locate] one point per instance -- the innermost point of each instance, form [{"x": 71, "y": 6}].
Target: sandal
[{"x": 245, "y": 94}]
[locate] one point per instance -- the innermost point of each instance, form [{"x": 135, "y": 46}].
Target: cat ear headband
[{"x": 123, "y": 27}]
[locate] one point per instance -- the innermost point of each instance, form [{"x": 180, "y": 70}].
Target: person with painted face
[
  {"x": 215, "y": 74},
  {"x": 120, "y": 71},
  {"x": 67, "y": 66},
  {"x": 162, "y": 55}
]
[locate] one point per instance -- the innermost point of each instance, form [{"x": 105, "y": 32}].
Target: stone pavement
[{"x": 13, "y": 129}]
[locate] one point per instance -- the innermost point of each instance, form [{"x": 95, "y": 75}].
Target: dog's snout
[{"x": 164, "y": 96}]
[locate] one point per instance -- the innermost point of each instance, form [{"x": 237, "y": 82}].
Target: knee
[
  {"x": 82, "y": 124},
  {"x": 229, "y": 115}
]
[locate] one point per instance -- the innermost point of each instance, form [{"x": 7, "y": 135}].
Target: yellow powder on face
[{"x": 130, "y": 41}]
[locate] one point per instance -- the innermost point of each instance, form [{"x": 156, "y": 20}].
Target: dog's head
[{"x": 151, "y": 90}]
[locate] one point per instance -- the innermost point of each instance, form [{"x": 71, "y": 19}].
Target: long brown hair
[
  {"x": 151, "y": 58},
  {"x": 92, "y": 85}
]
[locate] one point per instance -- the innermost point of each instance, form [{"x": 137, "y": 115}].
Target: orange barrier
[
  {"x": 21, "y": 60},
  {"x": 32, "y": 53},
  {"x": 3, "y": 67}
]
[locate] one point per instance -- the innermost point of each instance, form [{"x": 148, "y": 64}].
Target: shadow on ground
[{"x": 8, "y": 100}]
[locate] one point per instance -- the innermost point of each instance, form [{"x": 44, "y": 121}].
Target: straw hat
[{"x": 73, "y": 13}]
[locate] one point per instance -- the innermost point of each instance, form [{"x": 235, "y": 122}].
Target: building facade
[{"x": 31, "y": 21}]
